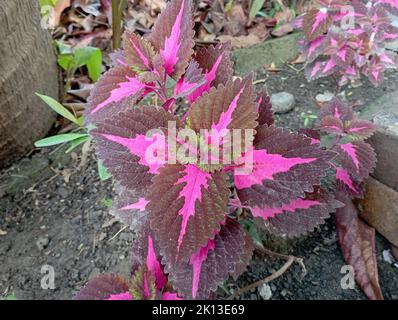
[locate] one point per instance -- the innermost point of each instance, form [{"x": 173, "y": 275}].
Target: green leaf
[
  {"x": 256, "y": 7},
  {"x": 94, "y": 65},
  {"x": 251, "y": 229},
  {"x": 103, "y": 172},
  {"x": 50, "y": 3},
  {"x": 86, "y": 56},
  {"x": 63, "y": 48},
  {"x": 228, "y": 6},
  {"x": 75, "y": 143},
  {"x": 81, "y": 121},
  {"x": 90, "y": 57},
  {"x": 59, "y": 108},
  {"x": 66, "y": 61},
  {"x": 61, "y": 138}
]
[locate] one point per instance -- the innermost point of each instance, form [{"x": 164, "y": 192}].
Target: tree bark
[{"x": 27, "y": 65}]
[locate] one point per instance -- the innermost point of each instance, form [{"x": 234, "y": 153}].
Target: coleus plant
[
  {"x": 354, "y": 162},
  {"x": 349, "y": 38},
  {"x": 180, "y": 199},
  {"x": 148, "y": 281}
]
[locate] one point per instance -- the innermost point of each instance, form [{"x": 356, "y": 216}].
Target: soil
[{"x": 64, "y": 222}]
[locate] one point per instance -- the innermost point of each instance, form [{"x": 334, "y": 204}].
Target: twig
[
  {"x": 259, "y": 81},
  {"x": 283, "y": 256},
  {"x": 290, "y": 260},
  {"x": 273, "y": 276},
  {"x": 117, "y": 233}
]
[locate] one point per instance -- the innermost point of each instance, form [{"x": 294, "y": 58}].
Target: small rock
[
  {"x": 265, "y": 291},
  {"x": 324, "y": 97},
  {"x": 282, "y": 102},
  {"x": 387, "y": 256},
  {"x": 42, "y": 243},
  {"x": 3, "y": 233}
]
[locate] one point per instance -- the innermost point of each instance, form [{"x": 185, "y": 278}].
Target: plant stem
[
  {"x": 273, "y": 276},
  {"x": 117, "y": 14},
  {"x": 289, "y": 261}
]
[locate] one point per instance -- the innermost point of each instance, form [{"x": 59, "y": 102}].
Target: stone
[
  {"x": 282, "y": 102},
  {"x": 42, "y": 243},
  {"x": 265, "y": 292},
  {"x": 324, "y": 97},
  {"x": 379, "y": 209},
  {"x": 384, "y": 114}
]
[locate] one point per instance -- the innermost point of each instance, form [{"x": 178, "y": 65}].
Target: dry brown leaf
[
  {"x": 106, "y": 7},
  {"x": 272, "y": 68},
  {"x": 141, "y": 17},
  {"x": 240, "y": 41},
  {"x": 155, "y": 6},
  {"x": 283, "y": 30},
  {"x": 87, "y": 6},
  {"x": 303, "y": 6},
  {"x": 236, "y": 21},
  {"x": 299, "y": 60},
  {"x": 260, "y": 31},
  {"x": 55, "y": 16},
  {"x": 357, "y": 242}
]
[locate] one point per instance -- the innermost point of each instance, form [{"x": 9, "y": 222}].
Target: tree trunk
[{"x": 27, "y": 65}]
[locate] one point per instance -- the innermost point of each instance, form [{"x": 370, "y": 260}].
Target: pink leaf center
[
  {"x": 294, "y": 205},
  {"x": 172, "y": 44},
  {"x": 124, "y": 90},
  {"x": 265, "y": 166},
  {"x": 196, "y": 261},
  {"x": 154, "y": 267},
  {"x": 194, "y": 180}
]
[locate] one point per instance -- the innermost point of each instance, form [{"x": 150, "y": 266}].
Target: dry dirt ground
[{"x": 65, "y": 223}]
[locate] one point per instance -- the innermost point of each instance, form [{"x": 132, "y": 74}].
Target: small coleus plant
[
  {"x": 178, "y": 165},
  {"x": 346, "y": 134},
  {"x": 349, "y": 38},
  {"x": 148, "y": 281}
]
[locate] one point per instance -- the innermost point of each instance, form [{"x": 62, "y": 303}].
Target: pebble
[
  {"x": 265, "y": 291},
  {"x": 324, "y": 97},
  {"x": 282, "y": 102},
  {"x": 42, "y": 243}
]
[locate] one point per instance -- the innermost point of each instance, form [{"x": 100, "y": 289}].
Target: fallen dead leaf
[
  {"x": 299, "y": 60},
  {"x": 272, "y": 68},
  {"x": 55, "y": 16},
  {"x": 236, "y": 21},
  {"x": 357, "y": 242},
  {"x": 240, "y": 41}
]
